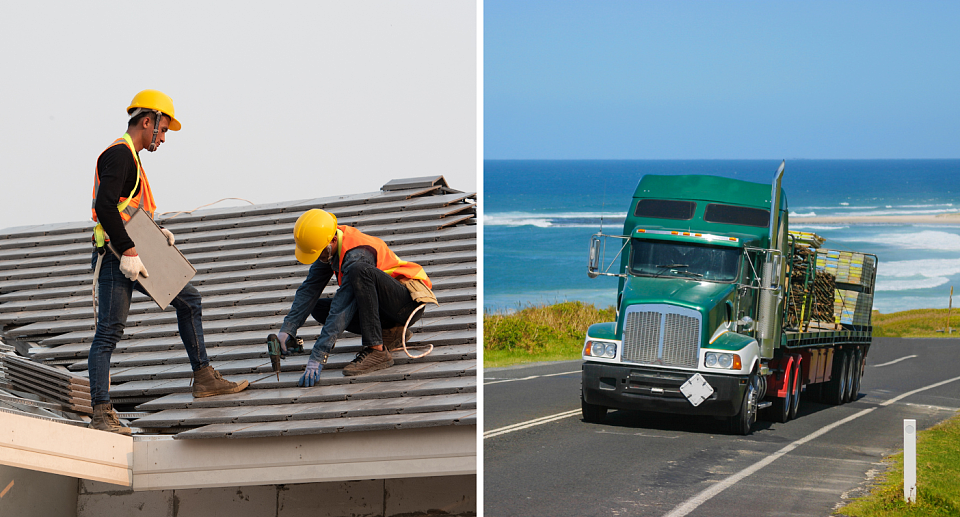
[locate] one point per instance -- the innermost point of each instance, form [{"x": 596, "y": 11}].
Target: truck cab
[{"x": 691, "y": 248}]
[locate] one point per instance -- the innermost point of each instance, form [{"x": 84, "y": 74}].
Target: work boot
[
  {"x": 368, "y": 360},
  {"x": 105, "y": 419},
  {"x": 391, "y": 337},
  {"x": 208, "y": 382}
]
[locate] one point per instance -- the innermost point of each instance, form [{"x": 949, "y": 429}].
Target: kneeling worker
[
  {"x": 120, "y": 187},
  {"x": 378, "y": 294}
]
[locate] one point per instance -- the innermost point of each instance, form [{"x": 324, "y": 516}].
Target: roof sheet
[{"x": 248, "y": 276}]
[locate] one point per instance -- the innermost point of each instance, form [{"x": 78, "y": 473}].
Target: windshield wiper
[
  {"x": 663, "y": 267},
  {"x": 690, "y": 273}
]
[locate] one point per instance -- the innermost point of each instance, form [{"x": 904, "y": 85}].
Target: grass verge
[
  {"x": 539, "y": 333},
  {"x": 938, "y": 479},
  {"x": 916, "y": 323}
]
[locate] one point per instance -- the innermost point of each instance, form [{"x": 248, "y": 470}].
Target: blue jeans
[
  {"x": 115, "y": 292},
  {"x": 367, "y": 299}
]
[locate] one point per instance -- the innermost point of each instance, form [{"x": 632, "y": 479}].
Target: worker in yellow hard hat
[
  {"x": 120, "y": 188},
  {"x": 378, "y": 296}
]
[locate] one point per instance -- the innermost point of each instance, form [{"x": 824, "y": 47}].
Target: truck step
[{"x": 764, "y": 405}]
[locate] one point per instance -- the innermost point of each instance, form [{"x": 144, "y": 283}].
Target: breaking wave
[
  {"x": 557, "y": 220},
  {"x": 924, "y": 240}
]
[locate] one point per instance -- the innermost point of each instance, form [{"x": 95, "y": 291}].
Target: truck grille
[{"x": 661, "y": 334}]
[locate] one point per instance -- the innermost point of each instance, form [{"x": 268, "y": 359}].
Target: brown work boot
[
  {"x": 391, "y": 337},
  {"x": 368, "y": 360},
  {"x": 105, "y": 419},
  {"x": 208, "y": 382}
]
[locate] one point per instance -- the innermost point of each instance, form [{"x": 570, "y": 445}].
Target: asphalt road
[{"x": 540, "y": 458}]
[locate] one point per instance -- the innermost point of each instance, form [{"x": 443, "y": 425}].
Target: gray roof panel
[{"x": 248, "y": 277}]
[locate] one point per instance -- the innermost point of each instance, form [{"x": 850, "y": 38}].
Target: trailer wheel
[
  {"x": 834, "y": 391},
  {"x": 797, "y": 388},
  {"x": 592, "y": 413},
  {"x": 857, "y": 374},
  {"x": 742, "y": 423},
  {"x": 849, "y": 394}
]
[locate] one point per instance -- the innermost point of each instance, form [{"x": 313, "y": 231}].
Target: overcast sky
[
  {"x": 732, "y": 79},
  {"x": 278, "y": 100}
]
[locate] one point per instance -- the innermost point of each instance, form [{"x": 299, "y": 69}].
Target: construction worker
[
  {"x": 120, "y": 188},
  {"x": 376, "y": 289}
]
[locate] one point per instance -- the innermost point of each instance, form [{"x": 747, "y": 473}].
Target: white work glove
[
  {"x": 168, "y": 235},
  {"x": 282, "y": 336},
  {"x": 132, "y": 268}
]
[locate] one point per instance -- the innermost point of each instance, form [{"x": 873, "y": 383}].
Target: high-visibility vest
[
  {"x": 127, "y": 205},
  {"x": 349, "y": 238}
]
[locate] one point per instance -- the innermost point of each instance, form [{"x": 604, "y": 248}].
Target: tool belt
[{"x": 419, "y": 291}]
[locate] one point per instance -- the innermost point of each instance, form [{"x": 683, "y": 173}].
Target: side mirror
[{"x": 593, "y": 265}]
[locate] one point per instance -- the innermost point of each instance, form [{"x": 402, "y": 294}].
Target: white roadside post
[{"x": 910, "y": 460}]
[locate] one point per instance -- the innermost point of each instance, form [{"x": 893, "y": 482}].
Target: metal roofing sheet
[{"x": 248, "y": 277}]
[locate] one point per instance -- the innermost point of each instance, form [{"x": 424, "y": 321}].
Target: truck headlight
[
  {"x": 722, "y": 360},
  {"x": 600, "y": 349}
]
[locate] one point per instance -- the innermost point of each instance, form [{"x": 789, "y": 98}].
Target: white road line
[
  {"x": 529, "y": 423},
  {"x": 894, "y": 361},
  {"x": 694, "y": 502},
  {"x": 530, "y": 377}
]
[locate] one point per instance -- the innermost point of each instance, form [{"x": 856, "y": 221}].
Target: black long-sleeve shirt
[{"x": 118, "y": 175}]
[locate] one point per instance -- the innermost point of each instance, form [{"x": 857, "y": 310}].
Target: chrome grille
[
  {"x": 669, "y": 336},
  {"x": 641, "y": 337},
  {"x": 681, "y": 340}
]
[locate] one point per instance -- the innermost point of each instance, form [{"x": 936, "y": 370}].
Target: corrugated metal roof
[{"x": 248, "y": 276}]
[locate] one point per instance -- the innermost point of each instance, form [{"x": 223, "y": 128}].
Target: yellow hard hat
[
  {"x": 156, "y": 101},
  {"x": 313, "y": 232}
]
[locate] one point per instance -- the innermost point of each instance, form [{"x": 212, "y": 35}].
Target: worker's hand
[
  {"x": 311, "y": 375},
  {"x": 168, "y": 235},
  {"x": 283, "y": 336},
  {"x": 132, "y": 268}
]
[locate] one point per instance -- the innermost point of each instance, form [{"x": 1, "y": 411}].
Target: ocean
[{"x": 539, "y": 216}]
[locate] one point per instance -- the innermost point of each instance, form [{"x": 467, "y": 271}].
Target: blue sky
[{"x": 724, "y": 80}]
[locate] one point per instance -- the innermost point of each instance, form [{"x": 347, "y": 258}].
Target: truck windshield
[{"x": 683, "y": 259}]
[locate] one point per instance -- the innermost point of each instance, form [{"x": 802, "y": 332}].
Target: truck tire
[
  {"x": 857, "y": 374},
  {"x": 849, "y": 394},
  {"x": 592, "y": 413},
  {"x": 797, "y": 388},
  {"x": 742, "y": 423},
  {"x": 834, "y": 390}
]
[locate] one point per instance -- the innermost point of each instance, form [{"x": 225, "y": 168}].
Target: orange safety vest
[
  {"x": 349, "y": 237},
  {"x": 127, "y": 205}
]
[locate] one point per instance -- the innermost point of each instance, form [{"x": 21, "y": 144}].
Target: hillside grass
[
  {"x": 539, "y": 333},
  {"x": 938, "y": 479},
  {"x": 916, "y": 323}
]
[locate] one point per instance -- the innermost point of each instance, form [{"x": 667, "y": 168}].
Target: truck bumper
[{"x": 653, "y": 389}]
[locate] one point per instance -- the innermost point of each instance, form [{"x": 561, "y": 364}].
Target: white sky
[{"x": 278, "y": 100}]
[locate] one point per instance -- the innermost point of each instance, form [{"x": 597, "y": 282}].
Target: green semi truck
[{"x": 721, "y": 309}]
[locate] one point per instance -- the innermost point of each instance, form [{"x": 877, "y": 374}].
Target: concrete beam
[
  {"x": 162, "y": 463},
  {"x": 47, "y": 446}
]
